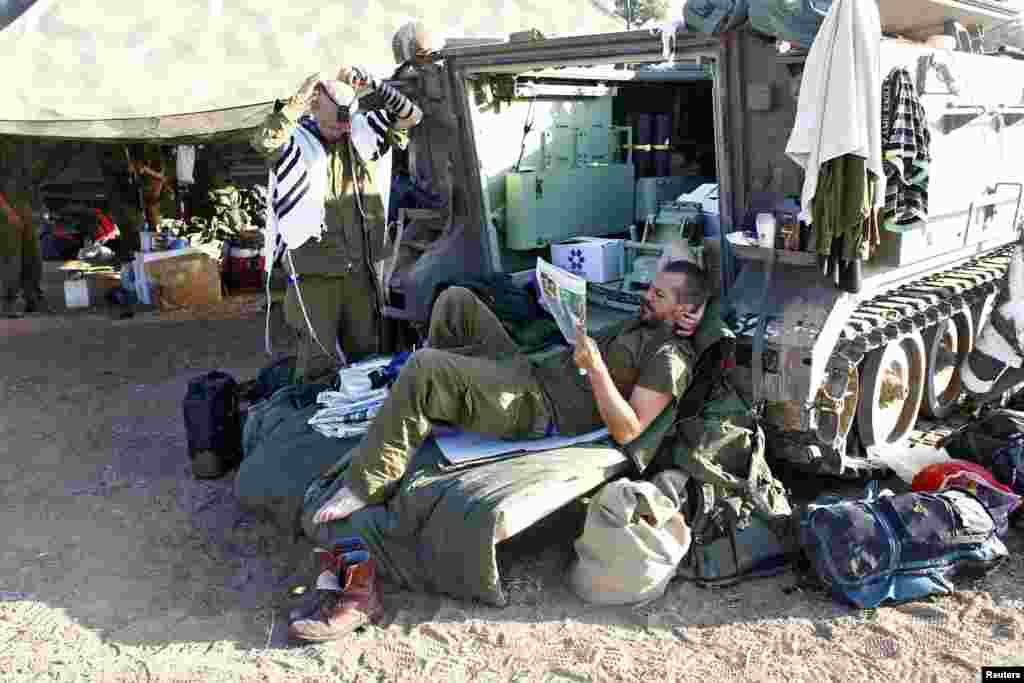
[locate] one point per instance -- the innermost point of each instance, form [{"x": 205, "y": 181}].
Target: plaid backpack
[{"x": 898, "y": 548}]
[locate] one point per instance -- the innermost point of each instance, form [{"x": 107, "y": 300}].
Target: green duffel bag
[
  {"x": 797, "y": 21},
  {"x": 739, "y": 514},
  {"x": 730, "y": 545},
  {"x": 714, "y": 17}
]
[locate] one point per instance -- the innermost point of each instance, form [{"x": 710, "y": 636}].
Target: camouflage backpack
[{"x": 895, "y": 548}]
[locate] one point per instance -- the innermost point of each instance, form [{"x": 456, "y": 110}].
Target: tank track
[
  {"x": 874, "y": 323},
  {"x": 920, "y": 304}
]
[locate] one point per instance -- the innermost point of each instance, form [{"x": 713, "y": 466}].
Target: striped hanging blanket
[{"x": 905, "y": 154}]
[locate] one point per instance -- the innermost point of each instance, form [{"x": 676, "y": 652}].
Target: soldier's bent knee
[
  {"x": 455, "y": 296},
  {"x": 426, "y": 362}
]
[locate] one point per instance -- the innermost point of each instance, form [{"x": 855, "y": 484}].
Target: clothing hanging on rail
[{"x": 906, "y": 156}]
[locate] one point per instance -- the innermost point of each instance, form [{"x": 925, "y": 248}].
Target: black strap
[
  {"x": 757, "y": 356},
  {"x": 707, "y": 375}
]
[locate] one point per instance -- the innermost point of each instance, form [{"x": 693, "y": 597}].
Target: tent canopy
[{"x": 196, "y": 69}]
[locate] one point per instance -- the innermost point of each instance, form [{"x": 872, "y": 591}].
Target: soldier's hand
[
  {"x": 308, "y": 89},
  {"x": 686, "y": 323},
  {"x": 587, "y": 355},
  {"x": 358, "y": 77}
]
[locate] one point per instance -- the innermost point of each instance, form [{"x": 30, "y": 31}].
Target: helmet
[{"x": 412, "y": 40}]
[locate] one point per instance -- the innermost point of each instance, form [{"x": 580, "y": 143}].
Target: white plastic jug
[{"x": 766, "y": 230}]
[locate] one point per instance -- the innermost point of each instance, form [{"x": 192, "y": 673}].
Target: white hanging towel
[
  {"x": 840, "y": 106},
  {"x": 186, "y": 164}
]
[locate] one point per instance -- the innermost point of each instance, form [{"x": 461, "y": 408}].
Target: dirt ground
[{"x": 116, "y": 566}]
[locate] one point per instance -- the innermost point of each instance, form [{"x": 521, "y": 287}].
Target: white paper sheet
[{"x": 464, "y": 447}]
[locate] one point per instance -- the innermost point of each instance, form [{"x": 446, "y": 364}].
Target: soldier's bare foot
[{"x": 341, "y": 505}]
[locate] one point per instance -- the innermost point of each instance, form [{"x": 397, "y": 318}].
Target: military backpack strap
[
  {"x": 644, "y": 451},
  {"x": 708, "y": 374}
]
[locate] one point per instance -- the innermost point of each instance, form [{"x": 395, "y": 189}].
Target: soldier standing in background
[
  {"x": 21, "y": 259},
  {"x": 429, "y": 155},
  {"x": 147, "y": 166},
  {"x": 123, "y": 198}
]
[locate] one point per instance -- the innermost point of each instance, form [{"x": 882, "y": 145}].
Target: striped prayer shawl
[
  {"x": 298, "y": 187},
  {"x": 297, "y": 184},
  {"x": 370, "y": 134}
]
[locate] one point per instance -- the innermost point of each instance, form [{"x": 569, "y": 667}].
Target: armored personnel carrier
[{"x": 531, "y": 141}]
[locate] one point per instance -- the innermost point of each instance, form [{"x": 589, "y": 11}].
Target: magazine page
[{"x": 565, "y": 297}]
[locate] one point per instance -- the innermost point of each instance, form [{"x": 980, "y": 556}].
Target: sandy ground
[{"x": 116, "y": 566}]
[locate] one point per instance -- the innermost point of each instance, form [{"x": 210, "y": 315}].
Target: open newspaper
[{"x": 565, "y": 297}]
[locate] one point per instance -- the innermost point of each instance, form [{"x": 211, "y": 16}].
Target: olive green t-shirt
[{"x": 637, "y": 355}]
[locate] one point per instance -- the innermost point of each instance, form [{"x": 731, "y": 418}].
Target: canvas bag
[
  {"x": 715, "y": 17},
  {"x": 633, "y": 539},
  {"x": 797, "y": 21}
]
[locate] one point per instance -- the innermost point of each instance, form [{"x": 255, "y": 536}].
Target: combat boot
[
  {"x": 38, "y": 305},
  {"x": 341, "y": 612},
  {"x": 10, "y": 309}
]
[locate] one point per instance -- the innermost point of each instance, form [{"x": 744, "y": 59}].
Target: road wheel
[
  {"x": 892, "y": 387},
  {"x": 946, "y": 345}
]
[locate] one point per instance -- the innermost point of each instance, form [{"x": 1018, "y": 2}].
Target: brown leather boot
[{"x": 341, "y": 613}]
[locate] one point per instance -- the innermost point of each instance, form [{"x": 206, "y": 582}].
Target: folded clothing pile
[
  {"x": 362, "y": 389},
  {"x": 342, "y": 417}
]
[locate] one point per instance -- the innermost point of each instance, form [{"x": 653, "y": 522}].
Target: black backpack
[
  {"x": 980, "y": 440},
  {"x": 213, "y": 425}
]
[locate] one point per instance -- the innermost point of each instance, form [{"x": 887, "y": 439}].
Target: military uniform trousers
[
  {"x": 471, "y": 376},
  {"x": 342, "y": 311},
  {"x": 21, "y": 263}
]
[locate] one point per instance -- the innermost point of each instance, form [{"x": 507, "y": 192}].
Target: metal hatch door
[{"x": 627, "y": 47}]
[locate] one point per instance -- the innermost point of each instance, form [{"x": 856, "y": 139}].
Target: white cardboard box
[
  {"x": 76, "y": 293},
  {"x": 595, "y": 259}
]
